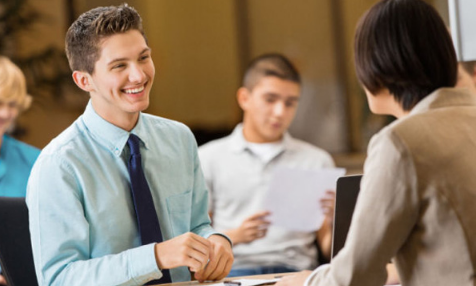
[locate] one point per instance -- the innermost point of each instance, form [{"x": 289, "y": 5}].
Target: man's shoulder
[
  {"x": 308, "y": 151},
  {"x": 165, "y": 124},
  {"x": 69, "y": 139},
  {"x": 305, "y": 147},
  {"x": 174, "y": 135}
]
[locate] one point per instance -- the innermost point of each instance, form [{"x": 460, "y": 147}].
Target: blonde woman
[{"x": 16, "y": 158}]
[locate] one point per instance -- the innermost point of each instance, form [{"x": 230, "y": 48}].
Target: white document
[
  {"x": 250, "y": 282},
  {"x": 293, "y": 197}
]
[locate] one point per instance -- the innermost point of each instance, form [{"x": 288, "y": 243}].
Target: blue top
[
  {"x": 82, "y": 221},
  {"x": 16, "y": 160}
]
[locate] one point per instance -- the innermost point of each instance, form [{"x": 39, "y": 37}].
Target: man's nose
[
  {"x": 279, "y": 108},
  {"x": 136, "y": 74}
]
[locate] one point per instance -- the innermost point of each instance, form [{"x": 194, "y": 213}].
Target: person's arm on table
[
  {"x": 60, "y": 235},
  {"x": 220, "y": 264},
  {"x": 385, "y": 214},
  {"x": 188, "y": 249},
  {"x": 325, "y": 237}
]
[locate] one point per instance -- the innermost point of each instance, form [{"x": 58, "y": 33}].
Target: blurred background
[{"x": 200, "y": 49}]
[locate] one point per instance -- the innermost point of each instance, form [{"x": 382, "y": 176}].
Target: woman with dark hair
[{"x": 418, "y": 193}]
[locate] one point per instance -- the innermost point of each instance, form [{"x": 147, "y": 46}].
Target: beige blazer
[{"x": 417, "y": 202}]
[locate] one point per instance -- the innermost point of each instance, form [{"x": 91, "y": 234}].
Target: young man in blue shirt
[{"x": 82, "y": 194}]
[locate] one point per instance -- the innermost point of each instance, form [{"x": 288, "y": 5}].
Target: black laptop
[{"x": 347, "y": 190}]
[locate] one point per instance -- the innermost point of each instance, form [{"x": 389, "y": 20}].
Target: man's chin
[
  {"x": 140, "y": 106},
  {"x": 274, "y": 137}
]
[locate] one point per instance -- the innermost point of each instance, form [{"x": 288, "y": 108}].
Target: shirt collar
[
  {"x": 109, "y": 135},
  {"x": 239, "y": 143}
]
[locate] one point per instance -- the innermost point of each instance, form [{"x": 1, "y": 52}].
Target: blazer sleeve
[{"x": 386, "y": 211}]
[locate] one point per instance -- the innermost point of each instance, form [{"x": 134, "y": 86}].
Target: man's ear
[
  {"x": 83, "y": 80},
  {"x": 243, "y": 96}
]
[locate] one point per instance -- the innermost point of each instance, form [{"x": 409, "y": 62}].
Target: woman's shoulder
[{"x": 28, "y": 152}]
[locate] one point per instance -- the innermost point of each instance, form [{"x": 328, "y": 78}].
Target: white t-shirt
[{"x": 266, "y": 151}]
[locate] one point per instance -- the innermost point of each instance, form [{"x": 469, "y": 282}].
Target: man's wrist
[{"x": 225, "y": 237}]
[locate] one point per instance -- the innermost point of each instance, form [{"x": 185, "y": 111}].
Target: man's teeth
[{"x": 134, "y": 90}]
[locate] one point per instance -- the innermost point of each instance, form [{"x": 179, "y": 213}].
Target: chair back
[{"x": 16, "y": 256}]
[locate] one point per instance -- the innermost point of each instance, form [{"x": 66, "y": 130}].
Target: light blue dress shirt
[
  {"x": 82, "y": 221},
  {"x": 16, "y": 160}
]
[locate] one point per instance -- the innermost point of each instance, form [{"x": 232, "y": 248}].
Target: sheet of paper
[
  {"x": 293, "y": 197},
  {"x": 250, "y": 282}
]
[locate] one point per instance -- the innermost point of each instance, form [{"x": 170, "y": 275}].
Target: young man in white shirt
[{"x": 238, "y": 170}]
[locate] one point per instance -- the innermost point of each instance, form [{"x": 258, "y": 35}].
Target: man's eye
[
  {"x": 144, "y": 57},
  {"x": 290, "y": 103},
  {"x": 118, "y": 66}
]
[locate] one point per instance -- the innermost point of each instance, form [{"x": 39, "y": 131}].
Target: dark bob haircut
[
  {"x": 272, "y": 64},
  {"x": 404, "y": 46}
]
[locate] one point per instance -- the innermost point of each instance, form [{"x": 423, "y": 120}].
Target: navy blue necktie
[{"x": 146, "y": 215}]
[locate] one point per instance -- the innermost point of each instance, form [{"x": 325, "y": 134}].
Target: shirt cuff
[
  {"x": 315, "y": 272},
  {"x": 143, "y": 265}
]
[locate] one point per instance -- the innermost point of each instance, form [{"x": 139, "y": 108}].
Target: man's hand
[
  {"x": 188, "y": 249},
  {"x": 327, "y": 204},
  {"x": 324, "y": 234},
  {"x": 3, "y": 281},
  {"x": 252, "y": 228},
  {"x": 220, "y": 265},
  {"x": 294, "y": 280}
]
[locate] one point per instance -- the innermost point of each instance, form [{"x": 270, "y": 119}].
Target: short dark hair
[
  {"x": 404, "y": 46},
  {"x": 469, "y": 66},
  {"x": 272, "y": 64},
  {"x": 85, "y": 34}
]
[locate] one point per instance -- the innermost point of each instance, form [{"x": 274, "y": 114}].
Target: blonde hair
[{"x": 13, "y": 84}]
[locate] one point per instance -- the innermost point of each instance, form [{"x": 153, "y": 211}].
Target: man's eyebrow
[
  {"x": 145, "y": 50},
  {"x": 123, "y": 59},
  {"x": 272, "y": 94},
  {"x": 291, "y": 97}
]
